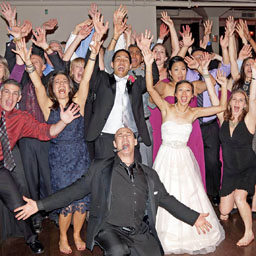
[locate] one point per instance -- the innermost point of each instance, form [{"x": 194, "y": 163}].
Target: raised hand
[
  {"x": 208, "y": 27},
  {"x": 19, "y": 31},
  {"x": 187, "y": 39},
  {"x": 40, "y": 38},
  {"x": 191, "y": 62},
  {"x": 79, "y": 26},
  {"x": 119, "y": 15},
  {"x": 164, "y": 31},
  {"x": 230, "y": 25},
  {"x": 8, "y": 13},
  {"x": 26, "y": 210},
  {"x": 246, "y": 31},
  {"x": 22, "y": 50},
  {"x": 245, "y": 52},
  {"x": 205, "y": 61},
  {"x": 50, "y": 24},
  {"x": 166, "y": 19},
  {"x": 221, "y": 78},
  {"x": 144, "y": 41},
  {"x": 224, "y": 40},
  {"x": 70, "y": 114},
  {"x": 95, "y": 48},
  {"x": 201, "y": 224},
  {"x": 85, "y": 31},
  {"x": 186, "y": 30},
  {"x": 147, "y": 56},
  {"x": 98, "y": 22}
]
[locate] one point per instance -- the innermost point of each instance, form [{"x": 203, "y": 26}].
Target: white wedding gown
[{"x": 179, "y": 172}]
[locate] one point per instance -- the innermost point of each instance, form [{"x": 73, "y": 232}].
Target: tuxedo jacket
[
  {"x": 103, "y": 86},
  {"x": 98, "y": 182}
]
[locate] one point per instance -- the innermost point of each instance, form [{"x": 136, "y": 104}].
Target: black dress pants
[
  {"x": 34, "y": 154},
  {"x": 12, "y": 199},
  {"x": 210, "y": 133},
  {"x": 115, "y": 241}
]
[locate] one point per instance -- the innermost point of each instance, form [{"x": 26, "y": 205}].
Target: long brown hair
[
  {"x": 240, "y": 82},
  {"x": 51, "y": 94},
  {"x": 228, "y": 111}
]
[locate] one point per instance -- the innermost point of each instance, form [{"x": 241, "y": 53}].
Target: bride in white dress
[{"x": 178, "y": 168}]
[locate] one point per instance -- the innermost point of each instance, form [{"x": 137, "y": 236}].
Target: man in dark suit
[
  {"x": 125, "y": 197},
  {"x": 118, "y": 103}
]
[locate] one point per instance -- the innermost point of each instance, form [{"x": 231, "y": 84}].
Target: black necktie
[
  {"x": 9, "y": 163},
  {"x": 129, "y": 170},
  {"x": 200, "y": 100}
]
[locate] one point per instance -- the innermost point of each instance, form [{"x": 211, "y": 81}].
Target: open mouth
[
  {"x": 62, "y": 90},
  {"x": 236, "y": 109},
  {"x": 184, "y": 99}
]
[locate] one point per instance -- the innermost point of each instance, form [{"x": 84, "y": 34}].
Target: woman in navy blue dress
[{"x": 68, "y": 154}]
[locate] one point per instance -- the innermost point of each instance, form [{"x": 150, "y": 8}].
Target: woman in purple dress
[{"x": 178, "y": 69}]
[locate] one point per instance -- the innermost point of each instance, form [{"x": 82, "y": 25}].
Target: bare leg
[
  {"x": 64, "y": 223},
  {"x": 78, "y": 221},
  {"x": 226, "y": 205},
  {"x": 246, "y": 215},
  {"x": 254, "y": 201}
]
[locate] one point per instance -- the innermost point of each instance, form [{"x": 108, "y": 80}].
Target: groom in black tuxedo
[
  {"x": 118, "y": 104},
  {"x": 125, "y": 195}
]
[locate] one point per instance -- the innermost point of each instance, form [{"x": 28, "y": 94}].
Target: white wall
[{"x": 140, "y": 17}]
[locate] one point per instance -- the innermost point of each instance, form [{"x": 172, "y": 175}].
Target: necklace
[
  {"x": 233, "y": 124},
  {"x": 179, "y": 110}
]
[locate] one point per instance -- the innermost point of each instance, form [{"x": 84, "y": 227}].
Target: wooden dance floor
[{"x": 49, "y": 237}]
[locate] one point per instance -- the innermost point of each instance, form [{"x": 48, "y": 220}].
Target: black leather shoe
[
  {"x": 216, "y": 200},
  {"x": 36, "y": 247},
  {"x": 37, "y": 227}
]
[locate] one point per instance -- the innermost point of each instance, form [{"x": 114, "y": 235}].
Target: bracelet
[
  {"x": 29, "y": 66},
  {"x": 206, "y": 75},
  {"x": 91, "y": 59},
  {"x": 114, "y": 39},
  {"x": 15, "y": 40},
  {"x": 30, "y": 69},
  {"x": 48, "y": 48}
]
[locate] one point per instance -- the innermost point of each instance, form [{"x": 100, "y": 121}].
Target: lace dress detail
[{"x": 68, "y": 159}]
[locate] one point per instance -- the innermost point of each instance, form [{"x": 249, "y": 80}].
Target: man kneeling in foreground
[{"x": 125, "y": 196}]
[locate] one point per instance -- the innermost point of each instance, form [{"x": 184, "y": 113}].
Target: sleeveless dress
[
  {"x": 195, "y": 141},
  {"x": 239, "y": 159},
  {"x": 179, "y": 172},
  {"x": 68, "y": 159}
]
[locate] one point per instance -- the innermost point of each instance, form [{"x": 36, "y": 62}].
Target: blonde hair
[
  {"x": 73, "y": 62},
  {"x": 6, "y": 75}
]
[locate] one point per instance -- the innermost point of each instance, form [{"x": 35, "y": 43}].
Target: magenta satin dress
[{"x": 195, "y": 141}]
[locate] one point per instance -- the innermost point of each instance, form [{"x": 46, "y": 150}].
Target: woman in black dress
[{"x": 236, "y": 134}]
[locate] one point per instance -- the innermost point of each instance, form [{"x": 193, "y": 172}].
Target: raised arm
[
  {"x": 44, "y": 101},
  {"x": 148, "y": 59},
  {"x": 187, "y": 41},
  {"x": 8, "y": 13},
  {"x": 250, "y": 118},
  {"x": 201, "y": 112},
  {"x": 173, "y": 34},
  {"x": 82, "y": 93},
  {"x": 248, "y": 36}
]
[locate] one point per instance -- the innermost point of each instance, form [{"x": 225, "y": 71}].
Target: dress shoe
[
  {"x": 216, "y": 200},
  {"x": 36, "y": 247},
  {"x": 37, "y": 226}
]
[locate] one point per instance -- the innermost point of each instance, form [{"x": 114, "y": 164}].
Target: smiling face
[
  {"x": 159, "y": 54},
  {"x": 61, "y": 87},
  {"x": 9, "y": 96},
  {"x": 121, "y": 64},
  {"x": 136, "y": 55},
  {"x": 178, "y": 71},
  {"x": 124, "y": 139},
  {"x": 237, "y": 103},
  {"x": 184, "y": 93}
]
